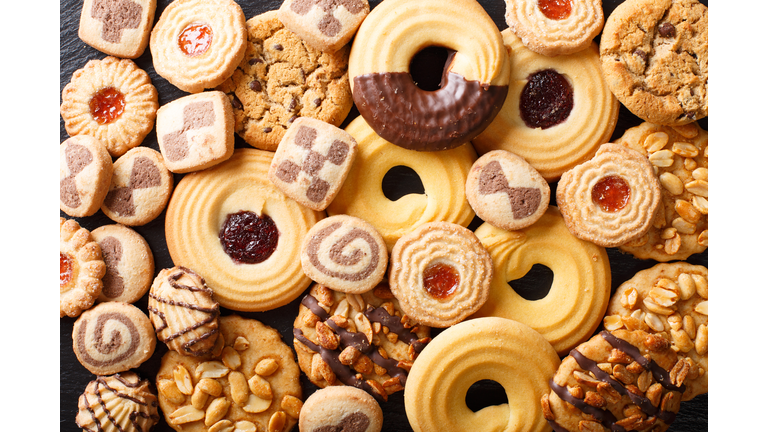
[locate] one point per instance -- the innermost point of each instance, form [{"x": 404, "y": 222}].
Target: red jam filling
[
  {"x": 441, "y": 280},
  {"x": 248, "y": 238},
  {"x": 65, "y": 269},
  {"x": 555, "y": 9},
  {"x": 107, "y": 105},
  {"x": 195, "y": 39},
  {"x": 611, "y": 193},
  {"x": 546, "y": 99}
]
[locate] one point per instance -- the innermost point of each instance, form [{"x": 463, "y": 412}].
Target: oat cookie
[
  {"x": 122, "y": 402},
  {"x": 281, "y": 79},
  {"x": 251, "y": 384},
  {"x": 81, "y": 268},
  {"x": 655, "y": 59},
  {"x": 85, "y": 171},
  {"x": 129, "y": 260},
  {"x": 341, "y": 408},
  {"x": 112, "y": 100},
  {"x": 680, "y": 156},
  {"x": 197, "y": 44},
  {"x": 324, "y": 25},
  {"x": 117, "y": 27}
]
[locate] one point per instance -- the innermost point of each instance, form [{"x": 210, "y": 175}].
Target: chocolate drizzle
[
  {"x": 100, "y": 385},
  {"x": 659, "y": 374},
  {"x": 603, "y": 416}
]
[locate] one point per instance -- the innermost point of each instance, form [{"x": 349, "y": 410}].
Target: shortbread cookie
[
  {"x": 129, "y": 260},
  {"x": 197, "y": 44},
  {"x": 196, "y": 131},
  {"x": 558, "y": 111},
  {"x": 670, "y": 300},
  {"x": 324, "y": 25},
  {"x": 183, "y": 312},
  {"x": 281, "y": 79},
  {"x": 360, "y": 340},
  {"x": 112, "y": 100},
  {"x": 440, "y": 273},
  {"x": 312, "y": 162},
  {"x": 506, "y": 191},
  {"x": 617, "y": 380},
  {"x": 251, "y": 385},
  {"x": 680, "y": 157},
  {"x": 122, "y": 402},
  {"x": 344, "y": 253},
  {"x": 140, "y": 189},
  {"x": 655, "y": 59},
  {"x": 117, "y": 27},
  {"x": 85, "y": 171},
  {"x": 555, "y": 27},
  {"x": 611, "y": 199},
  {"x": 81, "y": 268},
  {"x": 341, "y": 408},
  {"x": 113, "y": 337}
]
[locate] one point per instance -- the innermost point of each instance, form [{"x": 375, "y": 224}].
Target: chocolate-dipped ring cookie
[
  {"x": 214, "y": 215},
  {"x": 475, "y": 78},
  {"x": 612, "y": 198},
  {"x": 443, "y": 176},
  {"x": 565, "y": 316},
  {"x": 81, "y": 268},
  {"x": 492, "y": 348},
  {"x": 441, "y": 273},
  {"x": 557, "y": 113}
]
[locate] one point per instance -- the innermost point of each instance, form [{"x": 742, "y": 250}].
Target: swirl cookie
[
  {"x": 341, "y": 408},
  {"x": 360, "y": 340},
  {"x": 197, "y": 44},
  {"x": 183, "y": 312},
  {"x": 655, "y": 59},
  {"x": 111, "y": 100},
  {"x": 252, "y": 384},
  {"x": 129, "y": 260},
  {"x": 558, "y": 110},
  {"x": 215, "y": 214},
  {"x": 611, "y": 199},
  {"x": 440, "y": 273},
  {"x": 113, "y": 337},
  {"x": 443, "y": 176},
  {"x": 555, "y": 27},
  {"x": 81, "y": 268},
  {"x": 344, "y": 253},
  {"x": 85, "y": 171},
  {"x": 506, "y": 191},
  {"x": 119, "y": 28},
  {"x": 565, "y": 316},
  {"x": 617, "y": 380},
  {"x": 140, "y": 189},
  {"x": 120, "y": 402},
  {"x": 669, "y": 299},
  {"x": 323, "y": 25},
  {"x": 491, "y": 348},
  {"x": 281, "y": 79},
  {"x": 680, "y": 158}
]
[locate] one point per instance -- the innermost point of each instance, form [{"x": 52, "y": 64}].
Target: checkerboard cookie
[
  {"x": 117, "y": 27},
  {"x": 324, "y": 25},
  {"x": 85, "y": 171},
  {"x": 129, "y": 260}
]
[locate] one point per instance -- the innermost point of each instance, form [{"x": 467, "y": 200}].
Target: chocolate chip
[
  {"x": 255, "y": 85},
  {"x": 277, "y": 47},
  {"x": 267, "y": 129},
  {"x": 293, "y": 118},
  {"x": 255, "y": 60},
  {"x": 667, "y": 30},
  {"x": 642, "y": 54},
  {"x": 236, "y": 103},
  {"x": 317, "y": 102},
  {"x": 292, "y": 105}
]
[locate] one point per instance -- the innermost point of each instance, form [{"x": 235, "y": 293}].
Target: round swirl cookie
[
  {"x": 120, "y": 402},
  {"x": 81, "y": 268},
  {"x": 129, "y": 260},
  {"x": 113, "y": 337},
  {"x": 557, "y": 113},
  {"x": 341, "y": 408},
  {"x": 85, "y": 171},
  {"x": 475, "y": 78},
  {"x": 498, "y": 349}
]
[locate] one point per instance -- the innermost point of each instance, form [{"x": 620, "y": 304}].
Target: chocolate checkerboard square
[
  {"x": 324, "y": 25},
  {"x": 117, "y": 27}
]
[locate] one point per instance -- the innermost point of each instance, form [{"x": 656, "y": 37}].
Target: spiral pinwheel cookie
[
  {"x": 360, "y": 340},
  {"x": 557, "y": 113},
  {"x": 611, "y": 199},
  {"x": 341, "y": 408},
  {"x": 112, "y": 100},
  {"x": 81, "y": 268},
  {"x": 85, "y": 171},
  {"x": 122, "y": 402},
  {"x": 119, "y": 28},
  {"x": 440, "y": 273},
  {"x": 129, "y": 260},
  {"x": 669, "y": 299},
  {"x": 113, "y": 337},
  {"x": 197, "y": 44}
]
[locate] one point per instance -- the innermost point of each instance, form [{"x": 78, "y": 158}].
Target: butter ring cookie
[{"x": 81, "y": 268}]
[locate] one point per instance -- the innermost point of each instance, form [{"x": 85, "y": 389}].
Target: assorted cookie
[
  {"x": 120, "y": 402},
  {"x": 85, "y": 171},
  {"x": 81, "y": 268},
  {"x": 323, "y": 25},
  {"x": 341, "y": 408},
  {"x": 129, "y": 260},
  {"x": 120, "y": 28}
]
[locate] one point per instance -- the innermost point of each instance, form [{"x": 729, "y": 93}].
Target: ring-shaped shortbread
[{"x": 581, "y": 287}]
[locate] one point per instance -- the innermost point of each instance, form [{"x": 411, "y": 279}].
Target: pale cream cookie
[
  {"x": 85, "y": 171},
  {"x": 129, "y": 260},
  {"x": 117, "y": 27},
  {"x": 81, "y": 268},
  {"x": 324, "y": 25}
]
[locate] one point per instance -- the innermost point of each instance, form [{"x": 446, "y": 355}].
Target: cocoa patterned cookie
[
  {"x": 196, "y": 131},
  {"x": 324, "y": 25},
  {"x": 655, "y": 59},
  {"x": 81, "y": 268},
  {"x": 85, "y": 171},
  {"x": 140, "y": 189},
  {"x": 119, "y": 402},
  {"x": 281, "y": 79},
  {"x": 341, "y": 408},
  {"x": 312, "y": 162},
  {"x": 129, "y": 260},
  {"x": 117, "y": 27}
]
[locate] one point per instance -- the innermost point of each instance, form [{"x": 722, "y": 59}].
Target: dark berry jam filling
[
  {"x": 248, "y": 238},
  {"x": 546, "y": 100}
]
